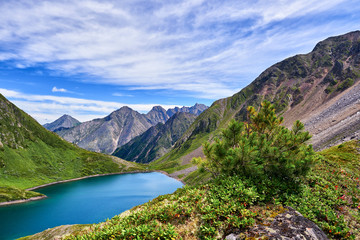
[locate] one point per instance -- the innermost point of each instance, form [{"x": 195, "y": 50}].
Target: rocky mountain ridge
[{"x": 107, "y": 134}]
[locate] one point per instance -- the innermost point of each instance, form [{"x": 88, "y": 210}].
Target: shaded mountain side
[
  {"x": 301, "y": 87},
  {"x": 157, "y": 140},
  {"x": 106, "y": 134},
  {"x": 30, "y": 155},
  {"x": 64, "y": 121}
]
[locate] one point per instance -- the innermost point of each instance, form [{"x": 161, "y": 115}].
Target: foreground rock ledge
[{"x": 288, "y": 225}]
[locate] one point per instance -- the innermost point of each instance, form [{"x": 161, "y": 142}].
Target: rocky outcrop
[
  {"x": 65, "y": 121},
  {"x": 287, "y": 226}
]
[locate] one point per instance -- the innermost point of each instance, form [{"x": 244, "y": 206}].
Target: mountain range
[
  {"x": 107, "y": 134},
  {"x": 320, "y": 88},
  {"x": 157, "y": 140}
]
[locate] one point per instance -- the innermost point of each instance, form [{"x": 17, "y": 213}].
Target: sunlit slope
[
  {"x": 304, "y": 87},
  {"x": 30, "y": 155}
]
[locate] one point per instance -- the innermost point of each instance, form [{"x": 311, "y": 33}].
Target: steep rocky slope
[
  {"x": 157, "y": 140},
  {"x": 65, "y": 121},
  {"x": 318, "y": 88},
  {"x": 30, "y": 155}
]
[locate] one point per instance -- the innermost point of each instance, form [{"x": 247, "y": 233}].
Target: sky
[{"x": 87, "y": 58}]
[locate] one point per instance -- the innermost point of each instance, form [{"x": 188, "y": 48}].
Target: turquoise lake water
[{"x": 90, "y": 200}]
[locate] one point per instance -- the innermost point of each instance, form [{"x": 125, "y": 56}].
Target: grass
[
  {"x": 329, "y": 196},
  {"x": 40, "y": 163},
  {"x": 12, "y": 193},
  {"x": 31, "y": 156}
]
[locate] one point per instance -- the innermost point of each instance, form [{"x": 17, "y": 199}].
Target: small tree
[{"x": 260, "y": 148}]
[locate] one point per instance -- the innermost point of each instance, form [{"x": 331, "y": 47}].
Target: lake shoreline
[
  {"x": 76, "y": 179},
  {"x": 22, "y": 200}
]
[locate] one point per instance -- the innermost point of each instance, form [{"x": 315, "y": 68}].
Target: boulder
[{"x": 289, "y": 225}]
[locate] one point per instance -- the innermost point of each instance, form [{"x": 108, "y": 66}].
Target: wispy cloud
[
  {"x": 117, "y": 94},
  {"x": 47, "y": 108},
  {"x": 55, "y": 89},
  {"x": 208, "y": 48}
]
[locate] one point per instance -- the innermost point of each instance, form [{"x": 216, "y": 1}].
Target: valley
[{"x": 321, "y": 89}]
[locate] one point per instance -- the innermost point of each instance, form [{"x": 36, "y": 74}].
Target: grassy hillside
[
  {"x": 30, "y": 155},
  {"x": 299, "y": 87},
  {"x": 329, "y": 197}
]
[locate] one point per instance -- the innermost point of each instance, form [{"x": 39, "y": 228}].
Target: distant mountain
[
  {"x": 321, "y": 88},
  {"x": 106, "y": 134},
  {"x": 157, "y": 115},
  {"x": 65, "y": 121},
  {"x": 157, "y": 140},
  {"x": 197, "y": 109},
  {"x": 30, "y": 155}
]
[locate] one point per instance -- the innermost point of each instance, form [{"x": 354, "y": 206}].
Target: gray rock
[{"x": 290, "y": 225}]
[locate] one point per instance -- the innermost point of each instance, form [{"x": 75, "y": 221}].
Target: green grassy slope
[
  {"x": 30, "y": 155},
  {"x": 329, "y": 197}
]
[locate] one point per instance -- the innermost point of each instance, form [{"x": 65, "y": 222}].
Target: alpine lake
[{"x": 86, "y": 201}]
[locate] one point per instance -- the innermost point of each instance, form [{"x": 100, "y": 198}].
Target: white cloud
[
  {"x": 216, "y": 46},
  {"x": 55, "y": 89},
  {"x": 47, "y": 108}
]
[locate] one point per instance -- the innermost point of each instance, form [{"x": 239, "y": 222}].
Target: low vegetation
[
  {"x": 13, "y": 193},
  {"x": 328, "y": 194}
]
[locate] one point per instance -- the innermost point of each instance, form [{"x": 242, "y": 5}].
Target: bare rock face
[
  {"x": 287, "y": 226},
  {"x": 106, "y": 134}
]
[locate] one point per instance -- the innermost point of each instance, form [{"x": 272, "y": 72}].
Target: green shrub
[{"x": 261, "y": 148}]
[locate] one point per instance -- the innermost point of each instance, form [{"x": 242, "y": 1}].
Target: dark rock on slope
[
  {"x": 157, "y": 140},
  {"x": 288, "y": 225},
  {"x": 64, "y": 121}
]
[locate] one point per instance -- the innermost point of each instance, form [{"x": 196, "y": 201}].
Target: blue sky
[{"x": 89, "y": 58}]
